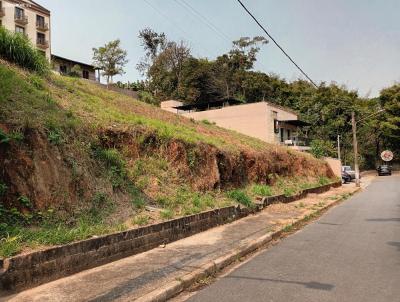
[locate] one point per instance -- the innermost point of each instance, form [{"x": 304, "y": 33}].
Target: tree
[
  {"x": 111, "y": 59},
  {"x": 165, "y": 73},
  {"x": 231, "y": 68},
  {"x": 389, "y": 121},
  {"x": 153, "y": 43},
  {"x": 76, "y": 71}
]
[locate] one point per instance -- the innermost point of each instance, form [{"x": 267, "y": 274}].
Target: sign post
[
  {"x": 355, "y": 146},
  {"x": 387, "y": 155}
]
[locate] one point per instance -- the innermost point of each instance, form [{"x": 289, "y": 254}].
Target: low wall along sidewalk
[{"x": 24, "y": 271}]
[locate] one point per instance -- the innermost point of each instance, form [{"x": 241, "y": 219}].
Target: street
[{"x": 351, "y": 254}]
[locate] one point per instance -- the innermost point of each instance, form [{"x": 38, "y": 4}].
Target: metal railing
[
  {"x": 42, "y": 26},
  {"x": 298, "y": 141},
  {"x": 21, "y": 18},
  {"x": 42, "y": 43}
]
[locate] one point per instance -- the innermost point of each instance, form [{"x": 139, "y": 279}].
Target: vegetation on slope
[
  {"x": 327, "y": 107},
  {"x": 78, "y": 160}
]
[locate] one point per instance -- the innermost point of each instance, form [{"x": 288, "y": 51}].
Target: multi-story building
[{"x": 29, "y": 18}]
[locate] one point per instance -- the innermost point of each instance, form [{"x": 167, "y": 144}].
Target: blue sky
[{"x": 351, "y": 42}]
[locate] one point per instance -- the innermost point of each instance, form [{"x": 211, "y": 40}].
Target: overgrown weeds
[
  {"x": 240, "y": 196},
  {"x": 17, "y": 48}
]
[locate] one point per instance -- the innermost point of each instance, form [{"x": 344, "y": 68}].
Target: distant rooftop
[
  {"x": 73, "y": 61},
  {"x": 202, "y": 106}
]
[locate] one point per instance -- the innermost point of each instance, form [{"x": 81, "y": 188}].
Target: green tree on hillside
[
  {"x": 153, "y": 43},
  {"x": 389, "y": 100},
  {"x": 110, "y": 59}
]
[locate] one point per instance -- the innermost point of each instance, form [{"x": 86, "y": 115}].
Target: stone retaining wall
[{"x": 39, "y": 267}]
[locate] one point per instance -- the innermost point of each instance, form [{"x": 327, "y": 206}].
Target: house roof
[
  {"x": 297, "y": 123},
  {"x": 39, "y": 6},
  {"x": 72, "y": 61},
  {"x": 207, "y": 105}
]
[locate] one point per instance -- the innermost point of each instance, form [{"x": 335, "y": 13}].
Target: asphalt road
[{"x": 350, "y": 254}]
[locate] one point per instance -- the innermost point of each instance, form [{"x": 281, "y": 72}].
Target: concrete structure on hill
[
  {"x": 263, "y": 120},
  {"x": 64, "y": 66},
  {"x": 29, "y": 18}
]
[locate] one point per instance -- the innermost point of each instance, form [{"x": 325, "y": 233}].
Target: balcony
[
  {"x": 2, "y": 12},
  {"x": 42, "y": 26},
  {"x": 21, "y": 19},
  {"x": 43, "y": 44},
  {"x": 298, "y": 143}
]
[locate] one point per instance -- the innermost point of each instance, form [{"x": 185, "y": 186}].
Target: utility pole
[
  {"x": 338, "y": 149},
  {"x": 355, "y": 146}
]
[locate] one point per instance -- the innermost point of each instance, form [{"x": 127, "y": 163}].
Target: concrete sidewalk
[{"x": 140, "y": 275}]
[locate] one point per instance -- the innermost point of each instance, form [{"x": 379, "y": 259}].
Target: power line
[
  {"x": 207, "y": 22},
  {"x": 174, "y": 24},
  {"x": 276, "y": 43},
  {"x": 202, "y": 18}
]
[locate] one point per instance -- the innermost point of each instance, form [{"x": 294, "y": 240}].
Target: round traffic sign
[{"x": 387, "y": 155}]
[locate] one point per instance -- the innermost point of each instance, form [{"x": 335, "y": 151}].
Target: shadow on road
[
  {"x": 384, "y": 220},
  {"x": 311, "y": 284},
  {"x": 395, "y": 244}
]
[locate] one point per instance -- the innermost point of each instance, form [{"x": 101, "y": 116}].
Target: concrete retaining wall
[{"x": 39, "y": 267}]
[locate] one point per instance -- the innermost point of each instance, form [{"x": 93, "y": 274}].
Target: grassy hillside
[{"x": 78, "y": 160}]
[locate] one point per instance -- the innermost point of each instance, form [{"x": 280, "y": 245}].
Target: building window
[
  {"x": 85, "y": 74},
  {"x": 288, "y": 134},
  {"x": 19, "y": 13},
  {"x": 19, "y": 29},
  {"x": 41, "y": 39},
  {"x": 276, "y": 126},
  {"x": 282, "y": 135},
  {"x": 40, "y": 21},
  {"x": 63, "y": 69}
]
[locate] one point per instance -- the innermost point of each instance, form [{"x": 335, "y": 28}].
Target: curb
[{"x": 212, "y": 267}]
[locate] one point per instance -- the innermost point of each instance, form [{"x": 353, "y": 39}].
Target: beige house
[
  {"x": 263, "y": 120},
  {"x": 64, "y": 66},
  {"x": 29, "y": 18}
]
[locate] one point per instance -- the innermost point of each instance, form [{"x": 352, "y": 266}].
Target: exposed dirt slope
[{"x": 68, "y": 142}]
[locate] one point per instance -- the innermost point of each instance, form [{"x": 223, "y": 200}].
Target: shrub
[
  {"x": 261, "y": 190},
  {"x": 17, "y": 48},
  {"x": 3, "y": 188},
  {"x": 25, "y": 201},
  {"x": 321, "y": 148},
  {"x": 138, "y": 202},
  {"x": 147, "y": 97},
  {"x": 289, "y": 192},
  {"x": 323, "y": 181},
  {"x": 240, "y": 196},
  {"x": 9, "y": 246},
  {"x": 141, "y": 220},
  {"x": 76, "y": 71},
  {"x": 4, "y": 138},
  {"x": 167, "y": 214},
  {"x": 207, "y": 122}
]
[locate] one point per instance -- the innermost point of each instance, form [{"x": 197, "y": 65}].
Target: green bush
[
  {"x": 17, "y": 48},
  {"x": 261, "y": 190},
  {"x": 147, "y": 97},
  {"x": 76, "y": 71},
  {"x": 3, "y": 188},
  {"x": 240, "y": 196},
  {"x": 322, "y": 148}
]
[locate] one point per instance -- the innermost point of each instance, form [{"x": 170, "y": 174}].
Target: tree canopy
[
  {"x": 172, "y": 72},
  {"x": 110, "y": 59}
]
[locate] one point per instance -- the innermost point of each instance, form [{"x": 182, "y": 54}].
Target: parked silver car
[{"x": 349, "y": 171}]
